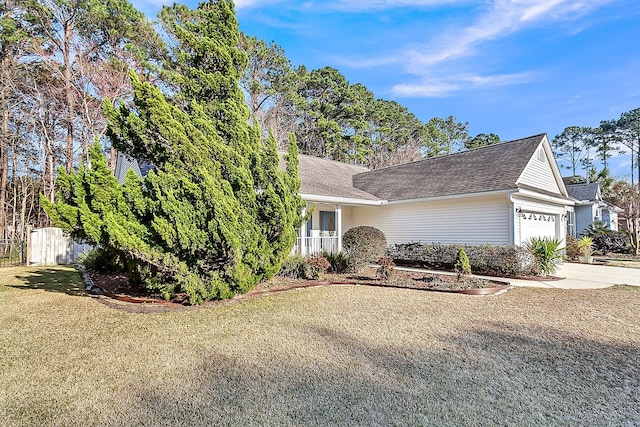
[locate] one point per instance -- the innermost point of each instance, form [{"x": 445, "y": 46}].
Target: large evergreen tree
[{"x": 217, "y": 214}]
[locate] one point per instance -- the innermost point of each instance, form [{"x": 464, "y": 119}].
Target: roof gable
[
  {"x": 542, "y": 171},
  {"x": 494, "y": 168},
  {"x": 585, "y": 192}
]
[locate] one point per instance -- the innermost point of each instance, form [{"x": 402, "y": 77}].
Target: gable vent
[{"x": 540, "y": 155}]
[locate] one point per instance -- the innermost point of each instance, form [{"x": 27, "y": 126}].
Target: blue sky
[{"x": 511, "y": 67}]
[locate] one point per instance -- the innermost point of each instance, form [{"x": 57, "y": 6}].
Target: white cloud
[
  {"x": 457, "y": 48},
  {"x": 440, "y": 86}
]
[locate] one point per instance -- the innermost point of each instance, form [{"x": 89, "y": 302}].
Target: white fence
[{"x": 52, "y": 246}]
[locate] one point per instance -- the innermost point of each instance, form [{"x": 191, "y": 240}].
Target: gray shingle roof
[
  {"x": 493, "y": 168},
  {"x": 583, "y": 191},
  {"x": 330, "y": 178}
]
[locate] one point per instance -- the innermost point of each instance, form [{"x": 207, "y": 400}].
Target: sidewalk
[{"x": 574, "y": 276}]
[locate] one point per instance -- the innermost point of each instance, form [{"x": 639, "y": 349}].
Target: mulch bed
[{"x": 118, "y": 288}]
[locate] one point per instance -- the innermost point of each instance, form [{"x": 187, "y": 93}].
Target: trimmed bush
[
  {"x": 548, "y": 254},
  {"x": 612, "y": 242},
  {"x": 386, "y": 268},
  {"x": 293, "y": 267},
  {"x": 363, "y": 245},
  {"x": 484, "y": 259},
  {"x": 462, "y": 267},
  {"x": 316, "y": 266}
]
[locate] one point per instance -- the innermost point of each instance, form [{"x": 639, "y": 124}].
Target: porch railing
[{"x": 316, "y": 245}]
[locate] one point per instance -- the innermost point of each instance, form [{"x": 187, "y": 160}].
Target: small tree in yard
[
  {"x": 462, "y": 266},
  {"x": 217, "y": 214},
  {"x": 627, "y": 197}
]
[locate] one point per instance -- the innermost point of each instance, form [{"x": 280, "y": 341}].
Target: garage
[{"x": 537, "y": 224}]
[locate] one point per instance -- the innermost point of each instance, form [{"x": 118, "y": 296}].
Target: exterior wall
[
  {"x": 539, "y": 174},
  {"x": 584, "y": 217},
  {"x": 471, "y": 220},
  {"x": 611, "y": 220}
]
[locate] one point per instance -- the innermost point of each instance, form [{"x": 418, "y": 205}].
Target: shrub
[
  {"x": 293, "y": 267},
  {"x": 571, "y": 250},
  {"x": 585, "y": 246},
  {"x": 316, "y": 266},
  {"x": 99, "y": 259},
  {"x": 338, "y": 261},
  {"x": 547, "y": 253},
  {"x": 386, "y": 269},
  {"x": 462, "y": 267},
  {"x": 614, "y": 241},
  {"x": 596, "y": 228},
  {"x": 484, "y": 259},
  {"x": 363, "y": 245}
]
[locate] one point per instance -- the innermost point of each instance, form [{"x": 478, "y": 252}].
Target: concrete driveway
[{"x": 586, "y": 276}]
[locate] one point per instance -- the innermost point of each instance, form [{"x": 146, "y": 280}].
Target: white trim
[
  {"x": 341, "y": 200},
  {"x": 538, "y": 196}
]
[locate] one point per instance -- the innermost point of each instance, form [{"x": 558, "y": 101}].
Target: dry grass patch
[{"x": 323, "y": 356}]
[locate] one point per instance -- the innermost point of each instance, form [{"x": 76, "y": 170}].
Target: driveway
[{"x": 586, "y": 276}]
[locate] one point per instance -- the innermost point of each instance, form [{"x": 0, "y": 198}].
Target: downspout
[{"x": 512, "y": 217}]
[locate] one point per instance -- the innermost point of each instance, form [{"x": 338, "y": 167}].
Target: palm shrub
[
  {"x": 363, "y": 245},
  {"x": 547, "y": 253},
  {"x": 596, "y": 228},
  {"x": 462, "y": 267},
  {"x": 585, "y": 246},
  {"x": 338, "y": 261}
]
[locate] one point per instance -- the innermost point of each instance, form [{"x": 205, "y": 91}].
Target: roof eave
[
  {"x": 452, "y": 196},
  {"x": 341, "y": 200}
]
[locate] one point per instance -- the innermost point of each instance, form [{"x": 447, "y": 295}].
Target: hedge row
[{"x": 484, "y": 259}]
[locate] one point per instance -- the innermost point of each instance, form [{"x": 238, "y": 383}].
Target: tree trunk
[
  {"x": 69, "y": 95},
  {"x": 4, "y": 164},
  {"x": 4, "y": 140}
]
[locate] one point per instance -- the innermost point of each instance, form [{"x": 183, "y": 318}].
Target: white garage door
[{"x": 534, "y": 224}]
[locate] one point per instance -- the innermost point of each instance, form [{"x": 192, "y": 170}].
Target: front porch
[{"x": 322, "y": 232}]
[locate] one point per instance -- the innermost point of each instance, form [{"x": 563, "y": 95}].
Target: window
[
  {"x": 571, "y": 224},
  {"x": 327, "y": 222}
]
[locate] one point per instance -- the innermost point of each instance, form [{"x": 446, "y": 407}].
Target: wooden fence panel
[{"x": 50, "y": 246}]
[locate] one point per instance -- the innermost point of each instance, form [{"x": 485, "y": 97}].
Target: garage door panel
[{"x": 537, "y": 224}]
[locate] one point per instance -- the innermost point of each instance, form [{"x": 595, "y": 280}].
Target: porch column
[
  {"x": 339, "y": 226},
  {"x": 303, "y": 234}
]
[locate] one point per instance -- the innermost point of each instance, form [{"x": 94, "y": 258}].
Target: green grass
[{"x": 323, "y": 356}]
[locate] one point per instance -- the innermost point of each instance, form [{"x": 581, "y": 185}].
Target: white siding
[
  {"x": 539, "y": 174},
  {"x": 472, "y": 220}
]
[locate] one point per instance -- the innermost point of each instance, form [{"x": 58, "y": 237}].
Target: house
[
  {"x": 590, "y": 207},
  {"x": 504, "y": 194}
]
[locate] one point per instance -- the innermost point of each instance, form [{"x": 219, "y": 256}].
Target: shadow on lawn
[
  {"x": 61, "y": 280},
  {"x": 489, "y": 374}
]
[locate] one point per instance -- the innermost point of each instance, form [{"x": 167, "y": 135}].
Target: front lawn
[{"x": 321, "y": 356}]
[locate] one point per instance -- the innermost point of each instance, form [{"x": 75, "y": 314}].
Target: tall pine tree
[{"x": 217, "y": 214}]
